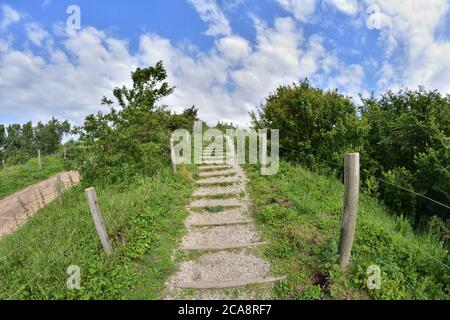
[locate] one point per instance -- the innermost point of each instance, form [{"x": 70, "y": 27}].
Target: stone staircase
[{"x": 220, "y": 249}]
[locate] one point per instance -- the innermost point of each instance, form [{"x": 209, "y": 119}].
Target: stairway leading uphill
[{"x": 221, "y": 245}]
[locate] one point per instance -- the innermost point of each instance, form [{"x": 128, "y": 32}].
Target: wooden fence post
[
  {"x": 351, "y": 197},
  {"x": 173, "y": 155},
  {"x": 98, "y": 221},
  {"x": 4, "y": 164},
  {"x": 39, "y": 160},
  {"x": 65, "y": 153},
  {"x": 58, "y": 187}
]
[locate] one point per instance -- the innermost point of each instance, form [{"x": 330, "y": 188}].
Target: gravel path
[
  {"x": 18, "y": 207},
  {"x": 222, "y": 241}
]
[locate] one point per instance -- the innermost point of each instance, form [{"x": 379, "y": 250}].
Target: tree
[
  {"x": 2, "y": 141},
  {"x": 314, "y": 124},
  {"x": 408, "y": 142},
  {"x": 49, "y": 136},
  {"x": 27, "y": 139},
  {"x": 18, "y": 143},
  {"x": 133, "y": 138}
]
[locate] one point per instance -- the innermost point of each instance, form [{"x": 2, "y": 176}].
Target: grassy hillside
[
  {"x": 15, "y": 178},
  {"x": 300, "y": 213},
  {"x": 144, "y": 220}
]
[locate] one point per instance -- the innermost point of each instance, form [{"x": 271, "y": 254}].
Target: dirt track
[{"x": 18, "y": 207}]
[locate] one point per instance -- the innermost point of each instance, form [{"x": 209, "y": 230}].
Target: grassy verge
[
  {"x": 300, "y": 213},
  {"x": 144, "y": 220},
  {"x": 15, "y": 178}
]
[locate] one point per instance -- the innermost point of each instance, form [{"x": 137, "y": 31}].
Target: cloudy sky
[{"x": 224, "y": 56}]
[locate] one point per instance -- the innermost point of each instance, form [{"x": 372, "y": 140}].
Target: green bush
[
  {"x": 316, "y": 124},
  {"x": 403, "y": 138},
  {"x": 133, "y": 139}
]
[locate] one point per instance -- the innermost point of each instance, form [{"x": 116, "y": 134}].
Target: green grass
[
  {"x": 144, "y": 220},
  {"x": 15, "y": 178},
  {"x": 300, "y": 212}
]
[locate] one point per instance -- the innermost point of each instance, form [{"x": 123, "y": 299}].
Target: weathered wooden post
[
  {"x": 58, "y": 187},
  {"x": 351, "y": 198},
  {"x": 173, "y": 155},
  {"x": 4, "y": 164},
  {"x": 65, "y": 153},
  {"x": 39, "y": 160},
  {"x": 98, "y": 221}
]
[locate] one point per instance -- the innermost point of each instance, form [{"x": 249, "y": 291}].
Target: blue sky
[{"x": 224, "y": 56}]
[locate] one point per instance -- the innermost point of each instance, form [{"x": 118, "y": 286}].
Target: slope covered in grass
[
  {"x": 144, "y": 219},
  {"x": 17, "y": 177},
  {"x": 300, "y": 213}
]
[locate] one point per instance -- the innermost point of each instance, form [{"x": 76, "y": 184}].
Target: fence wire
[{"x": 382, "y": 180}]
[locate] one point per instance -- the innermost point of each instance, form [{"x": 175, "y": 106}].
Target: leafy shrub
[
  {"x": 402, "y": 201},
  {"x": 316, "y": 124},
  {"x": 133, "y": 139},
  {"x": 403, "y": 138}
]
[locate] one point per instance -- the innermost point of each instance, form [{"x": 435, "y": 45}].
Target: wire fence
[
  {"x": 368, "y": 174},
  {"x": 390, "y": 266},
  {"x": 67, "y": 251},
  {"x": 19, "y": 211}
]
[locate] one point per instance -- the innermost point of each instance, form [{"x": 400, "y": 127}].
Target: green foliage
[
  {"x": 408, "y": 142},
  {"x": 15, "y": 178},
  {"x": 403, "y": 139},
  {"x": 300, "y": 212},
  {"x": 19, "y": 143},
  {"x": 314, "y": 123},
  {"x": 400, "y": 200},
  {"x": 132, "y": 140}
]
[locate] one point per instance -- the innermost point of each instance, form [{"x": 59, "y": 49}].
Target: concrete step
[
  {"x": 203, "y": 203},
  {"x": 227, "y": 284},
  {"x": 227, "y": 217},
  {"x": 217, "y": 191},
  {"x": 215, "y": 167},
  {"x": 221, "y": 237},
  {"x": 218, "y": 180},
  {"x": 211, "y": 162},
  {"x": 223, "y": 270},
  {"x": 217, "y": 173}
]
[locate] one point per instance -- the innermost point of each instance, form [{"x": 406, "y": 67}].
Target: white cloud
[
  {"x": 407, "y": 31},
  {"x": 69, "y": 73},
  {"x": 9, "y": 17},
  {"x": 301, "y": 9},
  {"x": 72, "y": 72},
  {"x": 68, "y": 85},
  {"x": 35, "y": 33},
  {"x": 421, "y": 59},
  {"x": 210, "y": 13},
  {"x": 235, "y": 76},
  {"x": 349, "y": 7},
  {"x": 234, "y": 48},
  {"x": 225, "y": 83},
  {"x": 350, "y": 78},
  {"x": 304, "y": 10}
]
